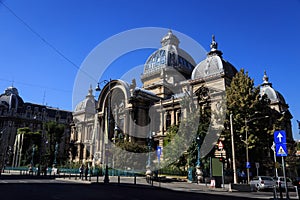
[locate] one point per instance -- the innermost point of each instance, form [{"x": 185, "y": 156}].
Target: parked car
[
  {"x": 262, "y": 183},
  {"x": 296, "y": 181},
  {"x": 280, "y": 181}
]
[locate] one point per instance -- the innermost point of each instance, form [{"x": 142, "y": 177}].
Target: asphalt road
[
  {"x": 58, "y": 191},
  {"x": 33, "y": 188}
]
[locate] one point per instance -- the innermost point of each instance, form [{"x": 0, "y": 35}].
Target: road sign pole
[
  {"x": 158, "y": 152},
  {"x": 284, "y": 176},
  {"x": 275, "y": 160}
]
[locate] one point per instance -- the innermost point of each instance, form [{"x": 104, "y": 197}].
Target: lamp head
[{"x": 98, "y": 89}]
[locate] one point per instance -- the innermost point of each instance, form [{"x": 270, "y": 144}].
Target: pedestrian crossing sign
[{"x": 281, "y": 150}]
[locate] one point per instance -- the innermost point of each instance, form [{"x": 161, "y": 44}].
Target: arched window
[{"x": 168, "y": 120}]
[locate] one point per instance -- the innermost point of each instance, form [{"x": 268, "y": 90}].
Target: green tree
[
  {"x": 251, "y": 113},
  {"x": 183, "y": 137},
  {"x": 54, "y": 134}
]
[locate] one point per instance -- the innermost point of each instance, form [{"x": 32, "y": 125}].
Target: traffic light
[{"x": 221, "y": 159}]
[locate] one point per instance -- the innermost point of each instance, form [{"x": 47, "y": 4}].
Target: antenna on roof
[{"x": 44, "y": 97}]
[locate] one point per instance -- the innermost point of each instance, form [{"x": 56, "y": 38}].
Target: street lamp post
[
  {"x": 32, "y": 155},
  {"x": 149, "y": 150},
  {"x": 199, "y": 173},
  {"x": 233, "y": 152},
  {"x": 2, "y": 153},
  {"x": 275, "y": 161},
  {"x": 106, "y": 177},
  {"x": 247, "y": 153},
  {"x": 98, "y": 89},
  {"x": 148, "y": 167},
  {"x": 55, "y": 154},
  {"x": 247, "y": 144}
]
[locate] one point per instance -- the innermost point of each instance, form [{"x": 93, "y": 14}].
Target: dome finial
[
  {"x": 214, "y": 44},
  {"x": 170, "y": 39},
  {"x": 265, "y": 78},
  {"x": 214, "y": 48},
  {"x": 90, "y": 93}
]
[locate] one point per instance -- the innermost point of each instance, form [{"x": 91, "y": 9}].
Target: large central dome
[{"x": 169, "y": 55}]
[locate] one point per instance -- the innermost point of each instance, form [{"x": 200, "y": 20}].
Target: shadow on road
[{"x": 55, "y": 190}]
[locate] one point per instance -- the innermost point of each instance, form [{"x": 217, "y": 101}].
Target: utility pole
[{"x": 233, "y": 151}]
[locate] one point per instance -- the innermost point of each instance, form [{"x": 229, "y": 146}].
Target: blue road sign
[
  {"x": 281, "y": 150},
  {"x": 158, "y": 152},
  {"x": 280, "y": 137},
  {"x": 248, "y": 165}
]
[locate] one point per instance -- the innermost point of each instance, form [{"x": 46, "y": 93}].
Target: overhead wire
[
  {"x": 34, "y": 85},
  {"x": 46, "y": 42}
]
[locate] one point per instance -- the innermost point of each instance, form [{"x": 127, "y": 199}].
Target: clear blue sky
[{"x": 255, "y": 35}]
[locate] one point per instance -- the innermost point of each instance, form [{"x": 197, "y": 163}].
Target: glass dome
[{"x": 169, "y": 55}]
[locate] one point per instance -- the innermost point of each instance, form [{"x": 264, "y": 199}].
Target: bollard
[
  {"x": 280, "y": 191},
  {"x": 97, "y": 177},
  {"x": 118, "y": 179},
  {"x": 274, "y": 193},
  {"x": 151, "y": 179},
  {"x": 134, "y": 179},
  {"x": 297, "y": 192}
]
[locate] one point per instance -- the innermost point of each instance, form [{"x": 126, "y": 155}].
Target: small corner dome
[
  {"x": 169, "y": 55},
  {"x": 88, "y": 104},
  {"x": 11, "y": 90},
  {"x": 267, "y": 89},
  {"x": 273, "y": 95},
  {"x": 11, "y": 98},
  {"x": 214, "y": 64}
]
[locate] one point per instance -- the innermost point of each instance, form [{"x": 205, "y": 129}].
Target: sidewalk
[
  {"x": 168, "y": 183},
  {"x": 178, "y": 184}
]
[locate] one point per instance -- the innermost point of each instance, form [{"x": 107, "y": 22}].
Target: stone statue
[
  {"x": 214, "y": 44},
  {"x": 132, "y": 86}
]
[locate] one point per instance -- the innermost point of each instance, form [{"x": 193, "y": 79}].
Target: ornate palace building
[
  {"x": 170, "y": 75},
  {"x": 172, "y": 82}
]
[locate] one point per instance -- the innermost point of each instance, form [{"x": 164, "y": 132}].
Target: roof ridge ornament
[
  {"x": 90, "y": 93},
  {"x": 170, "y": 39},
  {"x": 266, "y": 79},
  {"x": 214, "y": 48},
  {"x": 214, "y": 44}
]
